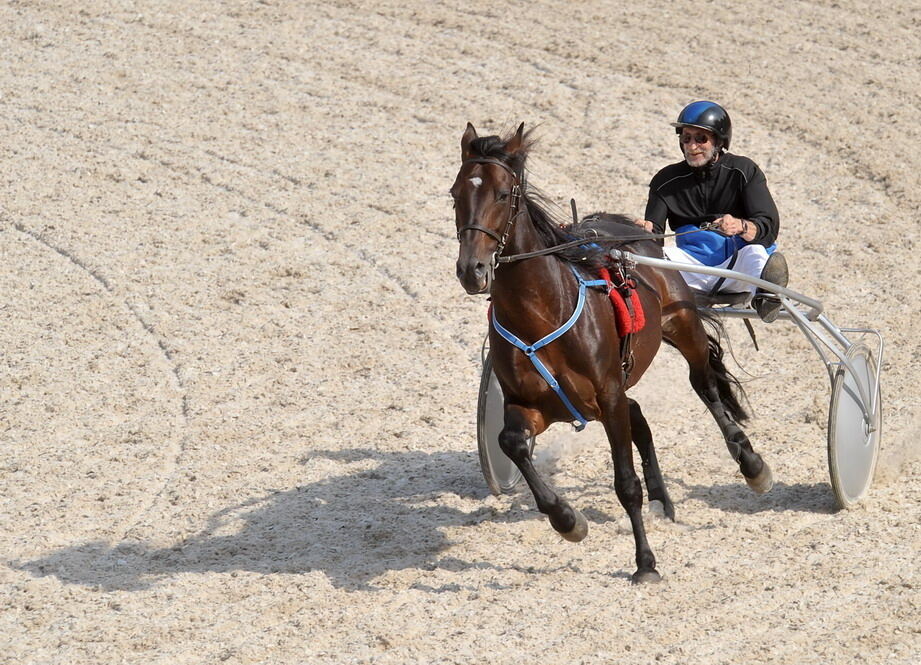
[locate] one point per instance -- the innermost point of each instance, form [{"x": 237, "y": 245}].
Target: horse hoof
[
  {"x": 662, "y": 509},
  {"x": 579, "y": 531},
  {"x": 647, "y": 576},
  {"x": 670, "y": 511},
  {"x": 763, "y": 482}
]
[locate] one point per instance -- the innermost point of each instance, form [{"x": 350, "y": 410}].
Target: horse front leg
[
  {"x": 520, "y": 423},
  {"x": 616, "y": 419},
  {"x": 642, "y": 439}
]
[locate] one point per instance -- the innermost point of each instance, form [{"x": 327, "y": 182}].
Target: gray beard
[{"x": 711, "y": 159}]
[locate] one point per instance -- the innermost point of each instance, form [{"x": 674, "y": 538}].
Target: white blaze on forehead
[{"x": 476, "y": 181}]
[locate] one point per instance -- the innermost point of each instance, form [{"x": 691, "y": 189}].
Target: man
[{"x": 727, "y": 191}]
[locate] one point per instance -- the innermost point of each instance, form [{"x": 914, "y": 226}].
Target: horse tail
[{"x": 731, "y": 392}]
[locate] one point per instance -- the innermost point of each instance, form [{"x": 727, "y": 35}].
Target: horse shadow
[
  {"x": 354, "y": 528},
  {"x": 358, "y": 526},
  {"x": 736, "y": 497}
]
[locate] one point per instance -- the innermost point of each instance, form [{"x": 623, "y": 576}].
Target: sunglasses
[{"x": 700, "y": 139}]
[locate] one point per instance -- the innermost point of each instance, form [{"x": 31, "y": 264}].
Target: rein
[
  {"x": 501, "y": 238},
  {"x": 598, "y": 240}
]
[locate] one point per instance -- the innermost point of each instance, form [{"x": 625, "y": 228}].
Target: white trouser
[{"x": 750, "y": 260}]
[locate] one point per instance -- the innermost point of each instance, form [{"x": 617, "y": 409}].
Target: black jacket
[{"x": 733, "y": 185}]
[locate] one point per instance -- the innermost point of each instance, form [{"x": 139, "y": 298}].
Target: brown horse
[{"x": 513, "y": 249}]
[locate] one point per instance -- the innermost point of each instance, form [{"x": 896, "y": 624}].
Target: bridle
[{"x": 501, "y": 238}]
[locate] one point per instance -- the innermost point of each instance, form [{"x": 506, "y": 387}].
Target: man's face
[{"x": 698, "y": 146}]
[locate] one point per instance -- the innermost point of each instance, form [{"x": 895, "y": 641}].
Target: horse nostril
[{"x": 474, "y": 275}]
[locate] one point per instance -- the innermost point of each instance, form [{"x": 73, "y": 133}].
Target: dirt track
[{"x": 238, "y": 376}]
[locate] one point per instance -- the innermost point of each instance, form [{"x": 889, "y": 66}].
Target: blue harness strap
[{"x": 530, "y": 350}]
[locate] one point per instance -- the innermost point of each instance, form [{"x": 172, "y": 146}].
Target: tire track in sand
[{"x": 177, "y": 447}]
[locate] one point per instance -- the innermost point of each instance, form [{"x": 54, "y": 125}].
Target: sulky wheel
[
  {"x": 500, "y": 472},
  {"x": 853, "y": 445}
]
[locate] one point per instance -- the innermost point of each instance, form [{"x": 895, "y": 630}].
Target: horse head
[{"x": 487, "y": 199}]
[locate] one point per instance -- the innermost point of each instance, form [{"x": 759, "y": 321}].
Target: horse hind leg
[
  {"x": 717, "y": 389},
  {"x": 756, "y": 471},
  {"x": 513, "y": 439},
  {"x": 616, "y": 418},
  {"x": 642, "y": 439}
]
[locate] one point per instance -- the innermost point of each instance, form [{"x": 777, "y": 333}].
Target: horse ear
[
  {"x": 516, "y": 143},
  {"x": 466, "y": 140}
]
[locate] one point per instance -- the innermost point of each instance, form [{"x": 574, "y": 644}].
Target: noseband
[{"x": 513, "y": 212}]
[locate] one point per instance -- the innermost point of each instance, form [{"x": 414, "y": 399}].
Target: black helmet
[{"x": 706, "y": 115}]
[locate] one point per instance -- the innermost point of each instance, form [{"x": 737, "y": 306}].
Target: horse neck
[
  {"x": 517, "y": 283},
  {"x": 524, "y": 237}
]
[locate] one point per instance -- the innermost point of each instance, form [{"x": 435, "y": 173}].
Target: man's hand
[
  {"x": 733, "y": 226},
  {"x": 644, "y": 224}
]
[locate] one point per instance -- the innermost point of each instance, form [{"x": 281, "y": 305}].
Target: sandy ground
[{"x": 239, "y": 377}]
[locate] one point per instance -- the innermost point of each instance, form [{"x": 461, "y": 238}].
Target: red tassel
[
  {"x": 626, "y": 323},
  {"x": 639, "y": 316}
]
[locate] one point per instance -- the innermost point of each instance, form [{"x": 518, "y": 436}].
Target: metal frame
[{"x": 817, "y": 328}]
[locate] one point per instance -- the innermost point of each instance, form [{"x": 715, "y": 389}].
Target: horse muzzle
[{"x": 474, "y": 275}]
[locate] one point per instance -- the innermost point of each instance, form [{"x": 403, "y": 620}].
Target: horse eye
[{"x": 501, "y": 196}]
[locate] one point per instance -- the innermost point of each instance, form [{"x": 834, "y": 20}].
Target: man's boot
[{"x": 766, "y": 303}]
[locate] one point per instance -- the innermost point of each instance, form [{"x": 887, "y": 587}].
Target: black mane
[{"x": 555, "y": 229}]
